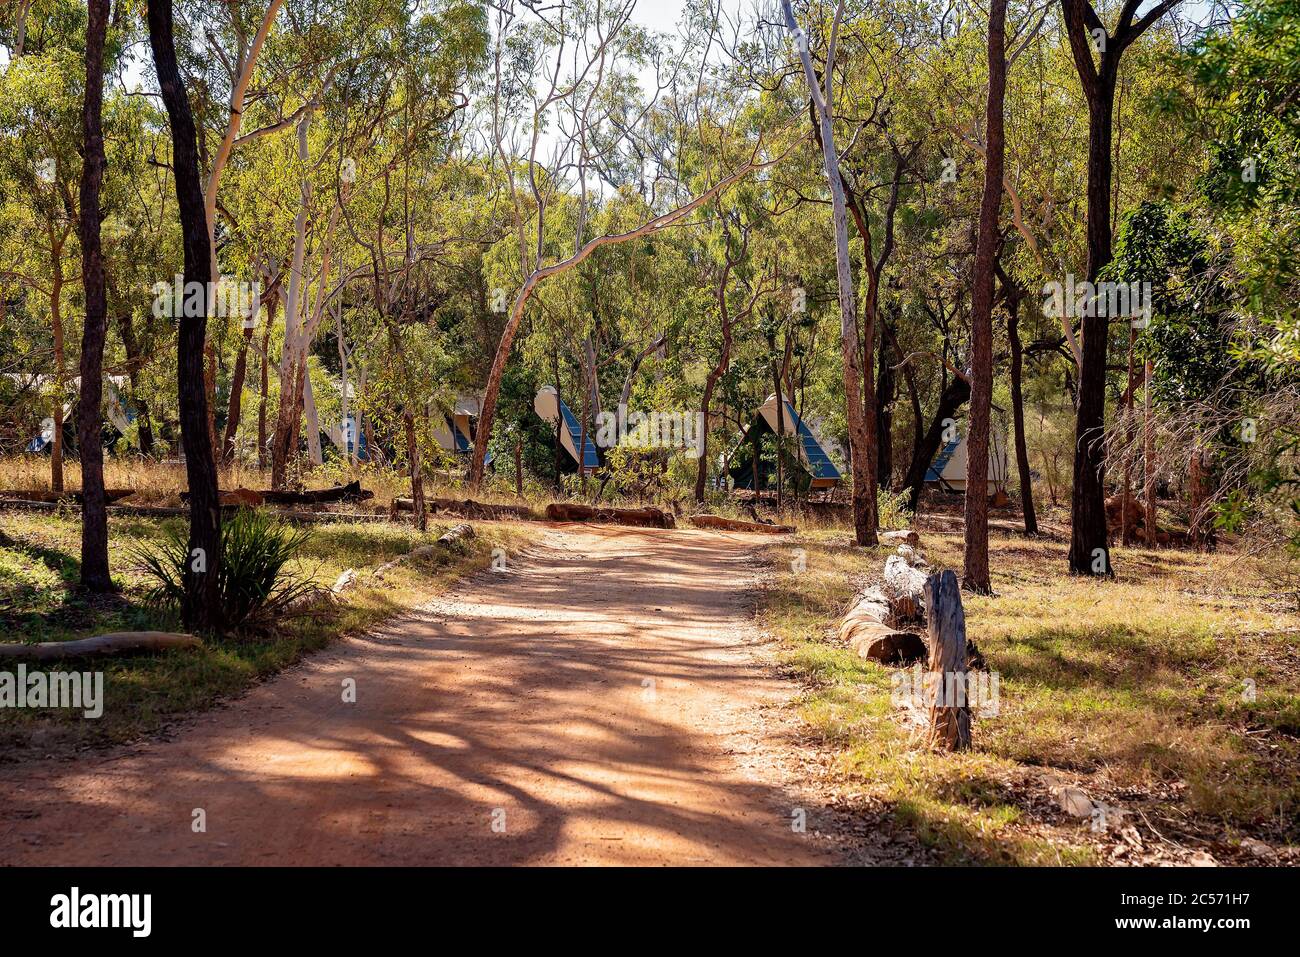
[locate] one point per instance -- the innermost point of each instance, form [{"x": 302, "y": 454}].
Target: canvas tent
[
  {"x": 456, "y": 433},
  {"x": 545, "y": 405},
  {"x": 119, "y": 413},
  {"x": 809, "y": 466},
  {"x": 948, "y": 470}
]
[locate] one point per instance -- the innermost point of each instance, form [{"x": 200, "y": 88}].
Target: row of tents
[{"x": 805, "y": 461}]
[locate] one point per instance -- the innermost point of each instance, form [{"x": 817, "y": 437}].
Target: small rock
[
  {"x": 1074, "y": 801},
  {"x": 1258, "y": 848},
  {"x": 904, "y": 535}
]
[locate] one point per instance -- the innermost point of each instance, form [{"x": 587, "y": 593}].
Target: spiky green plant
[{"x": 255, "y": 586}]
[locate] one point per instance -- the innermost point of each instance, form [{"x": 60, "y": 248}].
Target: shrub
[{"x": 254, "y": 585}]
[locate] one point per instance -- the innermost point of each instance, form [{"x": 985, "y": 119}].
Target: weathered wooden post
[{"x": 945, "y": 620}]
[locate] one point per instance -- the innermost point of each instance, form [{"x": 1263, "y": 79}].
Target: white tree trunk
[{"x": 313, "y": 421}]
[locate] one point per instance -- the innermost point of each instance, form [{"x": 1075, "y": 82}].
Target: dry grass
[
  {"x": 1172, "y": 692},
  {"x": 160, "y": 484}
]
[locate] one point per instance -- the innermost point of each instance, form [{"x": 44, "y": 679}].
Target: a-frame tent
[
  {"x": 456, "y": 431},
  {"x": 948, "y": 470},
  {"x": 810, "y": 467},
  {"x": 545, "y": 405}
]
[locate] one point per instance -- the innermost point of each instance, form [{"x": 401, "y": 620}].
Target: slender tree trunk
[
  {"x": 284, "y": 439},
  {"x": 953, "y": 397},
  {"x": 311, "y": 419},
  {"x": 1126, "y": 533},
  {"x": 94, "y": 516},
  {"x": 60, "y": 367},
  {"x": 345, "y": 393},
  {"x": 914, "y": 398},
  {"x": 263, "y": 364},
  {"x": 780, "y": 438},
  {"x": 20, "y": 27},
  {"x": 858, "y": 389},
  {"x": 246, "y": 63},
  {"x": 417, "y": 475},
  {"x": 711, "y": 382},
  {"x": 977, "y": 576},
  {"x": 886, "y": 390},
  {"x": 210, "y": 387},
  {"x": 1149, "y": 460},
  {"x": 284, "y": 444},
  {"x": 360, "y": 413},
  {"x": 593, "y": 394},
  {"x": 1030, "y": 517},
  {"x": 582, "y": 438},
  {"x": 201, "y": 608},
  {"x": 234, "y": 410},
  {"x": 134, "y": 360}
]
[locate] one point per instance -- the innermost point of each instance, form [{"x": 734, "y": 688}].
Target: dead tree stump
[{"x": 945, "y": 622}]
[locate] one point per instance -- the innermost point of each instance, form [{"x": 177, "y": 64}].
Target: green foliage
[
  {"x": 1245, "y": 78},
  {"x": 255, "y": 586}
]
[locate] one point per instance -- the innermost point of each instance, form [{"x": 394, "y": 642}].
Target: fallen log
[
  {"x": 482, "y": 511},
  {"x": 644, "y": 517},
  {"x": 456, "y": 534},
  {"x": 171, "y": 511},
  {"x": 114, "y": 643},
  {"x": 450, "y": 537},
  {"x": 866, "y": 630},
  {"x": 736, "y": 525},
  {"x": 235, "y": 498},
  {"x": 903, "y": 587},
  {"x": 53, "y": 498},
  {"x": 308, "y": 602},
  {"x": 352, "y": 492},
  {"x": 945, "y": 623}
]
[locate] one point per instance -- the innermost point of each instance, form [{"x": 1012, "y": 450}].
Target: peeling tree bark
[{"x": 859, "y": 403}]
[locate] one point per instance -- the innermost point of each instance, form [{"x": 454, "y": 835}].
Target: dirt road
[{"x": 601, "y": 701}]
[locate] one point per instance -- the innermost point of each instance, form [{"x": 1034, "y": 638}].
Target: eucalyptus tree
[
  {"x": 40, "y": 168},
  {"x": 200, "y": 607},
  {"x": 247, "y": 25},
  {"x": 855, "y": 344},
  {"x": 552, "y": 73},
  {"x": 90, "y": 421},
  {"x": 976, "y": 569},
  {"x": 1098, "y": 76}
]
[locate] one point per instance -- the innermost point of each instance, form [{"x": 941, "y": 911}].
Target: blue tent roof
[
  {"x": 458, "y": 437},
  {"x": 591, "y": 460},
  {"x": 811, "y": 459},
  {"x": 819, "y": 463},
  {"x": 935, "y": 472}
]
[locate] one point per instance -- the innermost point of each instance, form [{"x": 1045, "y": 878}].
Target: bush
[
  {"x": 255, "y": 587},
  {"x": 892, "y": 509}
]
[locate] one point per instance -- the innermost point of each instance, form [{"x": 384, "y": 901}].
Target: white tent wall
[{"x": 954, "y": 472}]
